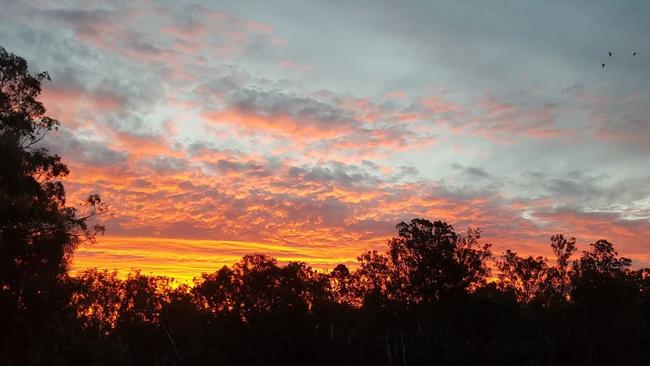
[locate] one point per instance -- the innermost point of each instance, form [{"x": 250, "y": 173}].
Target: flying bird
[
  {"x": 610, "y": 54},
  {"x": 603, "y": 65},
  {"x": 634, "y": 53}
]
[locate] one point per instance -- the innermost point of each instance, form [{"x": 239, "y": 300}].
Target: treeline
[
  {"x": 428, "y": 300},
  {"x": 434, "y": 297}
]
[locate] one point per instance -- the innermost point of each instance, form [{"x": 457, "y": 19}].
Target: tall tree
[
  {"x": 38, "y": 230},
  {"x": 598, "y": 271},
  {"x": 526, "y": 276},
  {"x": 563, "y": 249},
  {"x": 432, "y": 260},
  {"x": 604, "y": 294}
]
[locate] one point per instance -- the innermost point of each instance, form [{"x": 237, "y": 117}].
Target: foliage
[{"x": 38, "y": 231}]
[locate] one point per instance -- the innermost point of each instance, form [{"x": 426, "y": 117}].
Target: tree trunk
[
  {"x": 388, "y": 353},
  {"x": 401, "y": 334}
]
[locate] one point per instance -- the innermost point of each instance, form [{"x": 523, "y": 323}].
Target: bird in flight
[{"x": 610, "y": 53}]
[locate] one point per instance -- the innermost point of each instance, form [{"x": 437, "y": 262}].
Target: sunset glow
[{"x": 215, "y": 131}]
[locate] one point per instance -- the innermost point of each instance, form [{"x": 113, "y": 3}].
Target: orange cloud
[
  {"x": 184, "y": 223},
  {"x": 315, "y": 176},
  {"x": 282, "y": 123}
]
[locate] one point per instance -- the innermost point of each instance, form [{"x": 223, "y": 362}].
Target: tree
[
  {"x": 598, "y": 271},
  {"x": 97, "y": 298},
  {"x": 341, "y": 286},
  {"x": 215, "y": 292},
  {"x": 563, "y": 249},
  {"x": 525, "y": 276},
  {"x": 373, "y": 283},
  {"x": 605, "y": 297},
  {"x": 38, "y": 230},
  {"x": 430, "y": 260},
  {"x": 141, "y": 321}
]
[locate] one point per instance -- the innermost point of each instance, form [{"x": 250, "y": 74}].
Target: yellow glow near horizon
[{"x": 185, "y": 259}]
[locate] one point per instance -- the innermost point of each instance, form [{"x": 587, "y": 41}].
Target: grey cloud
[
  {"x": 165, "y": 164},
  {"x": 405, "y": 170},
  {"x": 276, "y": 104},
  {"x": 471, "y": 171},
  {"x": 251, "y": 168},
  {"x": 82, "y": 20},
  {"x": 334, "y": 172},
  {"x": 91, "y": 152},
  {"x": 200, "y": 147}
]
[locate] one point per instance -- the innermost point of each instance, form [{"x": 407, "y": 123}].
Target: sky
[{"x": 307, "y": 130}]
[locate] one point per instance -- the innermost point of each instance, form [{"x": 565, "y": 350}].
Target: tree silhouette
[
  {"x": 563, "y": 249},
  {"x": 97, "y": 300},
  {"x": 373, "y": 280},
  {"x": 431, "y": 260},
  {"x": 525, "y": 276},
  {"x": 605, "y": 297},
  {"x": 340, "y": 284},
  {"x": 38, "y": 231},
  {"x": 599, "y": 271}
]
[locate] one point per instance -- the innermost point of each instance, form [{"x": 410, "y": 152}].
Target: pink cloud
[
  {"x": 282, "y": 124},
  {"x": 503, "y": 121},
  {"x": 78, "y": 107}
]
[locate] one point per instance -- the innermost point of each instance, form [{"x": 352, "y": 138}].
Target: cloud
[
  {"x": 472, "y": 172},
  {"x": 216, "y": 132},
  {"x": 281, "y": 113},
  {"x": 67, "y": 99},
  {"x": 322, "y": 123},
  {"x": 504, "y": 120},
  {"x": 90, "y": 152},
  {"x": 633, "y": 130},
  {"x": 165, "y": 164}
]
